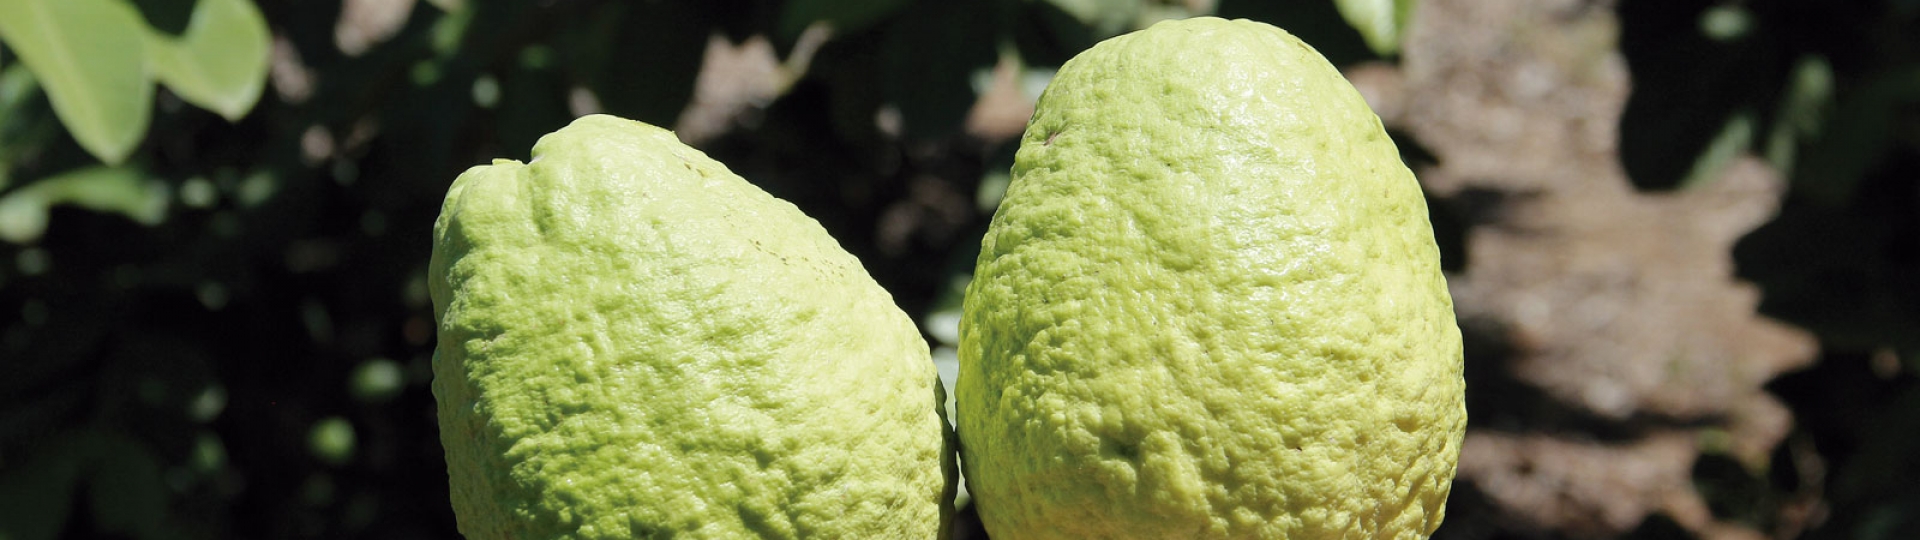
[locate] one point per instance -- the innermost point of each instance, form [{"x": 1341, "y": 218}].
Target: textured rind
[
  {"x": 1209, "y": 306},
  {"x": 634, "y": 342}
]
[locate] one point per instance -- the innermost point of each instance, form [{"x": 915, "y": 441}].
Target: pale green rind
[
  {"x": 636, "y": 343},
  {"x": 88, "y": 57},
  {"x": 1210, "y": 306}
]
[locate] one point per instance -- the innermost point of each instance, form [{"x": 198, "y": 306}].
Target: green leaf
[
  {"x": 115, "y": 190},
  {"x": 1735, "y": 137},
  {"x": 220, "y": 62},
  {"x": 332, "y": 440},
  {"x": 377, "y": 380},
  {"x": 1864, "y": 125},
  {"x": 1683, "y": 104},
  {"x": 1808, "y": 99},
  {"x": 17, "y": 87},
  {"x": 1380, "y": 22},
  {"x": 89, "y": 59}
]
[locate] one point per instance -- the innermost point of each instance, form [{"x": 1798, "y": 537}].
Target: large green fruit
[
  {"x": 1210, "y": 306},
  {"x": 636, "y": 343}
]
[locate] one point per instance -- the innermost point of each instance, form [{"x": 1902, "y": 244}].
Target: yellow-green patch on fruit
[
  {"x": 634, "y": 342},
  {"x": 1209, "y": 306}
]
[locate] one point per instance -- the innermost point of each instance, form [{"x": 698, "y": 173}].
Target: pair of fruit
[{"x": 1209, "y": 306}]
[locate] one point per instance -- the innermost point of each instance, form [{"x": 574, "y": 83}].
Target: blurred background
[{"x": 1683, "y": 235}]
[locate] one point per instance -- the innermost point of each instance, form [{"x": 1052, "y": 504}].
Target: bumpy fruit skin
[
  {"x": 634, "y": 342},
  {"x": 1210, "y": 306}
]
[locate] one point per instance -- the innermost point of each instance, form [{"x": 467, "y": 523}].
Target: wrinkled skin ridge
[
  {"x": 1209, "y": 306},
  {"x": 634, "y": 342}
]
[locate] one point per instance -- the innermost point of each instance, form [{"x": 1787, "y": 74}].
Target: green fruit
[
  {"x": 634, "y": 342},
  {"x": 1210, "y": 306}
]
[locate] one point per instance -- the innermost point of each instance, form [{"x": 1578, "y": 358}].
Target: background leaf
[
  {"x": 220, "y": 62},
  {"x": 1804, "y": 106},
  {"x": 116, "y": 190},
  {"x": 88, "y": 56},
  {"x": 1861, "y": 132},
  {"x": 1379, "y": 21},
  {"x": 1683, "y": 103}
]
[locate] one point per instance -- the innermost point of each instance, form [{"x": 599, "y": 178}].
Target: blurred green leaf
[
  {"x": 447, "y": 32},
  {"x": 16, "y": 85},
  {"x": 89, "y": 57},
  {"x": 845, "y": 16},
  {"x": 1864, "y": 125},
  {"x": 1733, "y": 139},
  {"x": 1380, "y": 22},
  {"x": 116, "y": 190},
  {"x": 376, "y": 381},
  {"x": 993, "y": 187},
  {"x": 207, "y": 405},
  {"x": 1683, "y": 104},
  {"x": 209, "y": 455},
  {"x": 220, "y": 63},
  {"x": 1726, "y": 22},
  {"x": 1808, "y": 100},
  {"x": 332, "y": 440}
]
